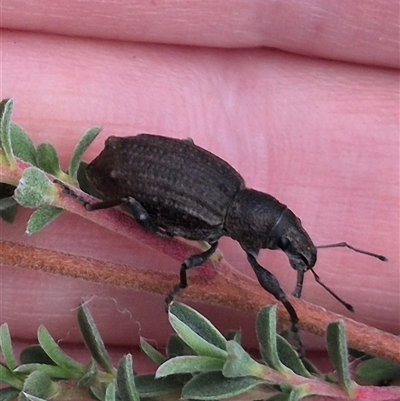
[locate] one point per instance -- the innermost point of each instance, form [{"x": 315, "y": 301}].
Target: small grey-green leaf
[
  {"x": 38, "y": 385},
  {"x": 289, "y": 357},
  {"x": 337, "y": 351},
  {"x": 6, "y": 347},
  {"x": 47, "y": 159},
  {"x": 6, "y": 107},
  {"x": 56, "y": 354},
  {"x": 9, "y": 378},
  {"x": 52, "y": 371},
  {"x": 240, "y": 364},
  {"x": 93, "y": 340},
  {"x": 177, "y": 347},
  {"x": 90, "y": 376},
  {"x": 87, "y": 139},
  {"x": 34, "y": 189},
  {"x": 41, "y": 218},
  {"x": 266, "y": 334},
  {"x": 8, "y": 394},
  {"x": 197, "y": 331},
  {"x": 376, "y": 370},
  {"x": 34, "y": 354},
  {"x": 110, "y": 392},
  {"x": 189, "y": 364},
  {"x": 22, "y": 145},
  {"x": 155, "y": 356},
  {"x": 126, "y": 388},
  {"x": 148, "y": 386},
  {"x": 214, "y": 386}
]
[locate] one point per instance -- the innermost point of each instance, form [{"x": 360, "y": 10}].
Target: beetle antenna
[
  {"x": 346, "y": 245},
  {"x": 345, "y": 304}
]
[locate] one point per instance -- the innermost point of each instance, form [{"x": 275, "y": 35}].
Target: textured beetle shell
[{"x": 185, "y": 189}]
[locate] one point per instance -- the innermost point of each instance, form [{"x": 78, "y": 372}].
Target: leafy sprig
[{"x": 208, "y": 367}]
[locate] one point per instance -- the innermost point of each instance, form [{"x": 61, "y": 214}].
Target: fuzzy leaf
[
  {"x": 6, "y": 347},
  {"x": 148, "y": 386},
  {"x": 376, "y": 370},
  {"x": 41, "y": 218},
  {"x": 126, "y": 388},
  {"x": 266, "y": 334},
  {"x": 38, "y": 385},
  {"x": 56, "y": 354},
  {"x": 50, "y": 370},
  {"x": 34, "y": 354},
  {"x": 87, "y": 139},
  {"x": 337, "y": 351},
  {"x": 93, "y": 340},
  {"x": 214, "y": 386},
  {"x": 9, "y": 378},
  {"x": 6, "y": 107},
  {"x": 176, "y": 347},
  {"x": 47, "y": 159},
  {"x": 110, "y": 393},
  {"x": 189, "y": 364},
  {"x": 240, "y": 364},
  {"x": 34, "y": 189},
  {"x": 197, "y": 331},
  {"x": 22, "y": 145},
  {"x": 90, "y": 376},
  {"x": 289, "y": 357},
  {"x": 155, "y": 356}
]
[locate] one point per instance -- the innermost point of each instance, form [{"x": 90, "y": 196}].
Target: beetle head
[{"x": 290, "y": 236}]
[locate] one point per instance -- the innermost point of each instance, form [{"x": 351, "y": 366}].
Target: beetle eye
[{"x": 283, "y": 243}]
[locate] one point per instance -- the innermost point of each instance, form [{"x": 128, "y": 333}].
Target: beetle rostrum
[{"x": 174, "y": 188}]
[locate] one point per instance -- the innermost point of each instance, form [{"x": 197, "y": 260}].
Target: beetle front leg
[
  {"x": 271, "y": 284},
  {"x": 192, "y": 261},
  {"x": 299, "y": 284}
]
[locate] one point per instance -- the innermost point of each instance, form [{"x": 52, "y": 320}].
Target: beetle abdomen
[{"x": 185, "y": 189}]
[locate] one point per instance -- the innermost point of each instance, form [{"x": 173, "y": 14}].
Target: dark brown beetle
[{"x": 174, "y": 188}]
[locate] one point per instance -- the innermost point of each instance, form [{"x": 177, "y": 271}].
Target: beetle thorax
[{"x": 251, "y": 218}]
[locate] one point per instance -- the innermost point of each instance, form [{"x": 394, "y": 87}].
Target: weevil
[{"x": 174, "y": 188}]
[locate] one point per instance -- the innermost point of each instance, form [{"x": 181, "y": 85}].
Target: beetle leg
[
  {"x": 192, "y": 261},
  {"x": 271, "y": 284},
  {"x": 299, "y": 284},
  {"x": 143, "y": 218}
]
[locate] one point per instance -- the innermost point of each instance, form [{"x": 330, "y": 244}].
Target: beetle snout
[{"x": 303, "y": 261}]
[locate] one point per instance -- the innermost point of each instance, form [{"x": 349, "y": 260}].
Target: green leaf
[
  {"x": 147, "y": 386},
  {"x": 214, "y": 386},
  {"x": 47, "y": 159},
  {"x": 110, "y": 392},
  {"x": 6, "y": 347},
  {"x": 9, "y": 378},
  {"x": 50, "y": 370},
  {"x": 87, "y": 139},
  {"x": 34, "y": 189},
  {"x": 376, "y": 370},
  {"x": 57, "y": 355},
  {"x": 266, "y": 334},
  {"x": 189, "y": 364},
  {"x": 126, "y": 388},
  {"x": 90, "y": 376},
  {"x": 239, "y": 363},
  {"x": 197, "y": 331},
  {"x": 8, "y": 394},
  {"x": 22, "y": 145},
  {"x": 93, "y": 340},
  {"x": 337, "y": 351},
  {"x": 38, "y": 385},
  {"x": 6, "y": 107},
  {"x": 41, "y": 218},
  {"x": 155, "y": 356},
  {"x": 34, "y": 354},
  {"x": 289, "y": 357}
]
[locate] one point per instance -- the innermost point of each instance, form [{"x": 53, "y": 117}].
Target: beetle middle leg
[
  {"x": 271, "y": 284},
  {"x": 193, "y": 261}
]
